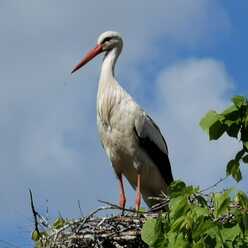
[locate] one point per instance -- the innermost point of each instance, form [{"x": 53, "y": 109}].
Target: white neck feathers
[
  {"x": 108, "y": 65},
  {"x": 109, "y": 91}
]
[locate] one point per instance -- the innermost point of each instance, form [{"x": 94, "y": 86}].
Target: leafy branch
[
  {"x": 234, "y": 122},
  {"x": 194, "y": 220}
]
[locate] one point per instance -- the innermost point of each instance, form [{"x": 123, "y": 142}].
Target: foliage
[
  {"x": 194, "y": 220},
  {"x": 199, "y": 220},
  {"x": 234, "y": 122}
]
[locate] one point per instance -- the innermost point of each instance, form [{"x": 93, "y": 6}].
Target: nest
[
  {"x": 100, "y": 232},
  {"x": 115, "y": 231},
  {"x": 95, "y": 230}
]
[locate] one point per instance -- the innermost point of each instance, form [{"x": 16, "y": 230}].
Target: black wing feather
[{"x": 159, "y": 157}]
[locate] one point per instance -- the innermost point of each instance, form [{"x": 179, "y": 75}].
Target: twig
[
  {"x": 78, "y": 221},
  {"x": 214, "y": 185},
  {"x": 90, "y": 215},
  {"x": 35, "y": 214},
  {"x": 80, "y": 209},
  {"x": 47, "y": 210},
  {"x": 101, "y": 222},
  {"x": 159, "y": 206},
  {"x": 116, "y": 207}
]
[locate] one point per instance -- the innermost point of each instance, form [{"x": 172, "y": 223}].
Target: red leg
[
  {"x": 122, "y": 199},
  {"x": 138, "y": 194}
]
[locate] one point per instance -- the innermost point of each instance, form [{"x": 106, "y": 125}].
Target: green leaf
[
  {"x": 188, "y": 222},
  {"x": 233, "y": 130},
  {"x": 201, "y": 200},
  {"x": 209, "y": 119},
  {"x": 199, "y": 212},
  {"x": 181, "y": 242},
  {"x": 231, "y": 233},
  {"x": 239, "y": 154},
  {"x": 245, "y": 144},
  {"x": 216, "y": 130},
  {"x": 189, "y": 190},
  {"x": 176, "y": 188},
  {"x": 212, "y": 231},
  {"x": 199, "y": 244},
  {"x": 171, "y": 236},
  {"x": 231, "y": 112},
  {"x": 35, "y": 236},
  {"x": 242, "y": 199},
  {"x": 239, "y": 101},
  {"x": 178, "y": 206},
  {"x": 245, "y": 159},
  {"x": 38, "y": 244},
  {"x": 148, "y": 233},
  {"x": 203, "y": 226},
  {"x": 58, "y": 223},
  {"x": 212, "y": 124},
  {"x": 211, "y": 236},
  {"x": 246, "y": 119},
  {"x": 152, "y": 232},
  {"x": 176, "y": 225},
  {"x": 221, "y": 203},
  {"x": 244, "y": 134},
  {"x": 244, "y": 223},
  {"x": 233, "y": 169}
]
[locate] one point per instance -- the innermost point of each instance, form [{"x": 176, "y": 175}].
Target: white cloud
[{"x": 186, "y": 91}]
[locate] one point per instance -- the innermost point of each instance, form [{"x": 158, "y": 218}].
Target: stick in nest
[{"x": 35, "y": 214}]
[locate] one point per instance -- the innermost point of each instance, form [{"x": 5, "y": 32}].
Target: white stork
[{"x": 131, "y": 139}]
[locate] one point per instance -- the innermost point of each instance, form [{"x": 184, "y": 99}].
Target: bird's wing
[{"x": 152, "y": 141}]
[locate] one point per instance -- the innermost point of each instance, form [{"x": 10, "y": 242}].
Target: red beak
[{"x": 89, "y": 56}]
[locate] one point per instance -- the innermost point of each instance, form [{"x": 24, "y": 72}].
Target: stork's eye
[{"x": 106, "y": 39}]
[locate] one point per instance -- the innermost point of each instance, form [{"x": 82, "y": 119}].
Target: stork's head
[
  {"x": 105, "y": 42},
  {"x": 108, "y": 40}
]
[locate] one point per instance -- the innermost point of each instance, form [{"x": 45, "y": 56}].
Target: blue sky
[{"x": 180, "y": 59}]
